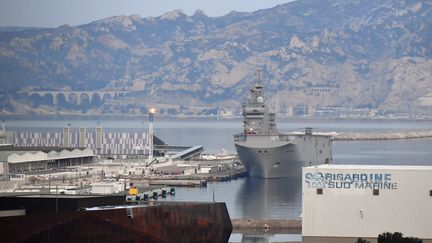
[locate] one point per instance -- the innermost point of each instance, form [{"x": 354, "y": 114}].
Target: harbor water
[
  {"x": 259, "y": 198},
  {"x": 248, "y": 198}
]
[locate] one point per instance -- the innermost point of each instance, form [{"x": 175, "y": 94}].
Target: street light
[{"x": 152, "y": 111}]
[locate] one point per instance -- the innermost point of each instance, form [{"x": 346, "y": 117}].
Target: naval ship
[{"x": 268, "y": 153}]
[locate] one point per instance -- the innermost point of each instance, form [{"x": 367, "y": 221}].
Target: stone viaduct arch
[{"x": 102, "y": 95}]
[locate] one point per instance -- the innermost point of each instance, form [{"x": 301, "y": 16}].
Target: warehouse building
[
  {"x": 351, "y": 201},
  {"x": 31, "y": 159},
  {"x": 100, "y": 141}
]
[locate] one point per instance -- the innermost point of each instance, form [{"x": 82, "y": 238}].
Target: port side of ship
[
  {"x": 267, "y": 153},
  {"x": 282, "y": 155}
]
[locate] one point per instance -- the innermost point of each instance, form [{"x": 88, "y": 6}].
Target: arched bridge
[{"x": 80, "y": 95}]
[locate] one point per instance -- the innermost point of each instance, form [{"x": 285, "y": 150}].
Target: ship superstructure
[{"x": 267, "y": 153}]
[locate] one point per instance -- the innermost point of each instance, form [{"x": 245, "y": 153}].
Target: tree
[
  {"x": 360, "y": 240},
  {"x": 396, "y": 237}
]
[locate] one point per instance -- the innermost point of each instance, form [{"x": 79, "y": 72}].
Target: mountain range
[{"x": 313, "y": 53}]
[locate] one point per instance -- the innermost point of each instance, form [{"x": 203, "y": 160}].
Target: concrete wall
[{"x": 348, "y": 207}]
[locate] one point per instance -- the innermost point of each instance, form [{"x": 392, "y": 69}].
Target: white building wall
[
  {"x": 3, "y": 168},
  {"x": 108, "y": 188},
  {"x": 404, "y": 205},
  {"x": 102, "y": 188},
  {"x": 207, "y": 169}
]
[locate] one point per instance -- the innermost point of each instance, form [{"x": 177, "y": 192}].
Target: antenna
[
  {"x": 3, "y": 132},
  {"x": 259, "y": 75},
  {"x": 277, "y": 104}
]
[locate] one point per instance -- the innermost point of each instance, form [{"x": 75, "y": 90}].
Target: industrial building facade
[
  {"x": 100, "y": 141},
  {"x": 365, "y": 201},
  {"x": 31, "y": 159}
]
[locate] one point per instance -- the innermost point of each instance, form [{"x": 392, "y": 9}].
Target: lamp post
[
  {"x": 69, "y": 135},
  {"x": 152, "y": 111},
  {"x": 3, "y": 131}
]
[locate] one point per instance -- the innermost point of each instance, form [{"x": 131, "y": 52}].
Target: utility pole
[
  {"x": 152, "y": 111},
  {"x": 4, "y": 132}
]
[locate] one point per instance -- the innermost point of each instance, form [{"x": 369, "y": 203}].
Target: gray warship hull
[
  {"x": 268, "y": 153},
  {"x": 281, "y": 155}
]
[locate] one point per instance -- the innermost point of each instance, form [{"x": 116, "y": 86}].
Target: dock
[
  {"x": 289, "y": 226},
  {"x": 191, "y": 183},
  {"x": 353, "y": 136}
]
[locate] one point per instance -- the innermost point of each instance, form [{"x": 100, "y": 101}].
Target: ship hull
[{"x": 284, "y": 156}]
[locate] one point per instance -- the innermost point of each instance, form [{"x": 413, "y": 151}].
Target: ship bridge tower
[{"x": 257, "y": 117}]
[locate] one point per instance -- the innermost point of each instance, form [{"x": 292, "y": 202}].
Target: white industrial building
[
  {"x": 110, "y": 187},
  {"x": 102, "y": 142},
  {"x": 366, "y": 200},
  {"x": 30, "y": 159}
]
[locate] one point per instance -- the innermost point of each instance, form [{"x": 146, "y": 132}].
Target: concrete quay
[
  {"x": 192, "y": 179},
  {"x": 288, "y": 226},
  {"x": 191, "y": 183},
  {"x": 351, "y": 136}
]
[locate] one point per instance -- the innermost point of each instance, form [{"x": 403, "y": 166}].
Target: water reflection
[
  {"x": 264, "y": 238},
  {"x": 270, "y": 198},
  {"x": 255, "y": 238}
]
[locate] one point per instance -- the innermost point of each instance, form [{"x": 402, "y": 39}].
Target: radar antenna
[{"x": 259, "y": 75}]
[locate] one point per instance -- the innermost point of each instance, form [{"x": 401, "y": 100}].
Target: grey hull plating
[
  {"x": 265, "y": 157},
  {"x": 275, "y": 162}
]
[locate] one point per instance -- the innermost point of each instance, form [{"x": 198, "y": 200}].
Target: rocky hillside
[{"x": 317, "y": 53}]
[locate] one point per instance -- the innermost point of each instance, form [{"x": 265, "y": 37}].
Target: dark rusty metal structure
[
  {"x": 167, "y": 222},
  {"x": 52, "y": 203}
]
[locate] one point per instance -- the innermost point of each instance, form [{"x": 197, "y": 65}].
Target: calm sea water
[{"x": 272, "y": 198}]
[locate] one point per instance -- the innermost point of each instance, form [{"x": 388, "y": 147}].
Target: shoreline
[
  {"x": 114, "y": 117},
  {"x": 369, "y": 136}
]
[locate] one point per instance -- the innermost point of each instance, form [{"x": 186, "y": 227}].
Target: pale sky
[{"x": 53, "y": 13}]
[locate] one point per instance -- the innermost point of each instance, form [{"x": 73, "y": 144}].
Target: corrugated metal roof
[
  {"x": 5, "y": 154},
  {"x": 28, "y": 154}
]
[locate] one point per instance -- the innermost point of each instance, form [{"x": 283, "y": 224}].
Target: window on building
[
  {"x": 430, "y": 193},
  {"x": 375, "y": 192},
  {"x": 319, "y": 191}
]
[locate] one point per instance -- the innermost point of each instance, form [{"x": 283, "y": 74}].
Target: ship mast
[{"x": 259, "y": 76}]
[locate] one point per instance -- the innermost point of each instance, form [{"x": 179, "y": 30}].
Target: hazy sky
[{"x": 53, "y": 13}]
